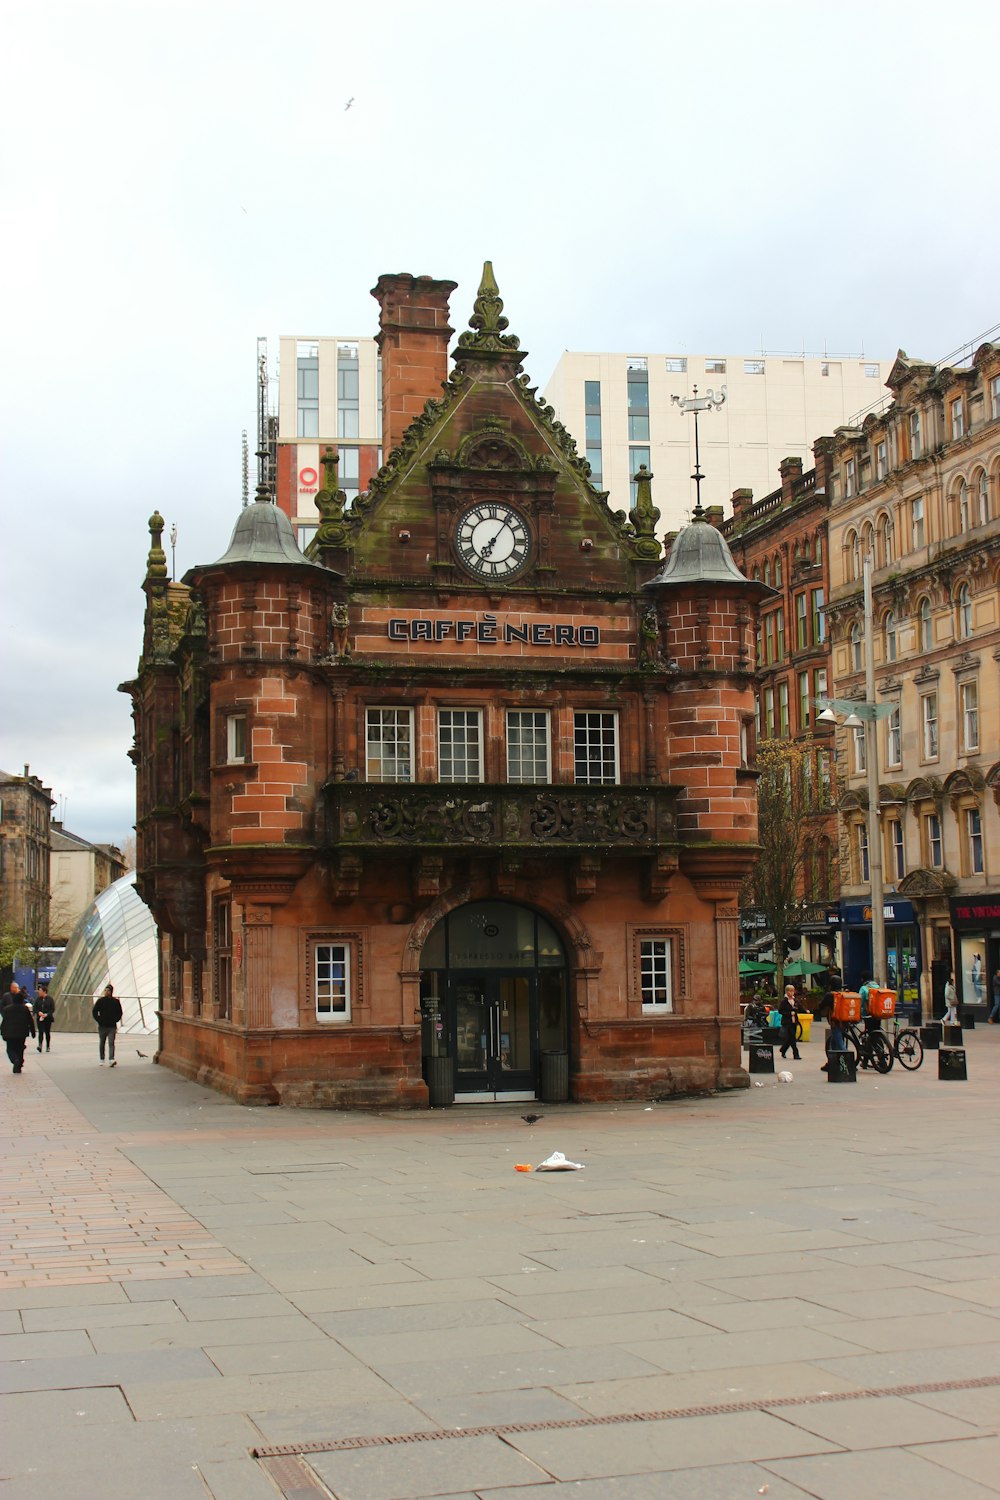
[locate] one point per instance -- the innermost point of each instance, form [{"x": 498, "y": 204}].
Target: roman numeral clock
[{"x": 493, "y": 540}]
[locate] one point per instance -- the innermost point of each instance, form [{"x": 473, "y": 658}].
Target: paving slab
[{"x": 280, "y": 1277}]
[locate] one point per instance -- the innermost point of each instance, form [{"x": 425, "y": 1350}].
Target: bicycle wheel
[
  {"x": 909, "y": 1049},
  {"x": 880, "y": 1053}
]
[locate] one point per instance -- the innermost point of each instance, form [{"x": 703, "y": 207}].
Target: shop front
[
  {"x": 975, "y": 921},
  {"x": 493, "y": 1004},
  {"x": 902, "y": 950}
]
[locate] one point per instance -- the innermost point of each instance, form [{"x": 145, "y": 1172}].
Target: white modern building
[{"x": 618, "y": 408}]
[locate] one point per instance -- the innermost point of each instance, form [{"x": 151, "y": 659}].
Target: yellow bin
[{"x": 805, "y": 1017}]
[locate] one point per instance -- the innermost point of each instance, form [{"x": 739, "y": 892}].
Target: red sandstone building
[{"x": 458, "y": 805}]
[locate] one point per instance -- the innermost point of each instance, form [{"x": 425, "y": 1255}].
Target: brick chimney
[
  {"x": 790, "y": 470},
  {"x": 413, "y": 341}
]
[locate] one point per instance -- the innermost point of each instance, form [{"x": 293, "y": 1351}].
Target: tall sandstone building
[{"x": 457, "y": 806}]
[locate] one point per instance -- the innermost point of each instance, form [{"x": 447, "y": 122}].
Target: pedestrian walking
[
  {"x": 950, "y": 1002},
  {"x": 788, "y": 1011},
  {"x": 16, "y": 1025},
  {"x": 11, "y": 995},
  {"x": 994, "y": 1015},
  {"x": 107, "y": 1013},
  {"x": 45, "y": 1013}
]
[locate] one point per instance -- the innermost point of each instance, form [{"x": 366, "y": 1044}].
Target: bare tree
[{"x": 774, "y": 886}]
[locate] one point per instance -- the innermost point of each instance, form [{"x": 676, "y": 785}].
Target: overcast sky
[{"x": 178, "y": 178}]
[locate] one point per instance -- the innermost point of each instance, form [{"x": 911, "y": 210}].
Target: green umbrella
[
  {"x": 749, "y": 966},
  {"x": 800, "y": 967}
]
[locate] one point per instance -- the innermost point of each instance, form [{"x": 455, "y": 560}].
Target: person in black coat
[
  {"x": 45, "y": 1012},
  {"x": 788, "y": 1011},
  {"x": 16, "y": 1025},
  {"x": 107, "y": 1012}
]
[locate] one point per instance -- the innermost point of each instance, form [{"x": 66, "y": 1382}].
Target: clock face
[{"x": 493, "y": 540}]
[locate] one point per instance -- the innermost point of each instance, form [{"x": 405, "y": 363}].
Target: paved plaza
[{"x": 792, "y": 1291}]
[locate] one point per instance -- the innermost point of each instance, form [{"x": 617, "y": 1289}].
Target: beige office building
[{"x": 619, "y": 409}]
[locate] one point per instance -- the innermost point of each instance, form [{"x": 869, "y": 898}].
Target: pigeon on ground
[
  {"x": 141, "y": 1054},
  {"x": 532, "y": 1119}
]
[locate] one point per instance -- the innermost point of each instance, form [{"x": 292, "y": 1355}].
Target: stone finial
[
  {"x": 644, "y": 517},
  {"x": 488, "y": 321},
  {"x": 330, "y": 503},
  {"x": 156, "y": 562}
]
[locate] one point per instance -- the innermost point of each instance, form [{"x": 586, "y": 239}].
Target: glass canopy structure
[{"x": 114, "y": 941}]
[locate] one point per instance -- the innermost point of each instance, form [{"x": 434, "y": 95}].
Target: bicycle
[
  {"x": 870, "y": 1048},
  {"x": 906, "y": 1044}
]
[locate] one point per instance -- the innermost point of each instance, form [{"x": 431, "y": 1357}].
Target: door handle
[{"x": 495, "y": 1030}]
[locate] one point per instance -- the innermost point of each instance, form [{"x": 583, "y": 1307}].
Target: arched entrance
[{"x": 493, "y": 999}]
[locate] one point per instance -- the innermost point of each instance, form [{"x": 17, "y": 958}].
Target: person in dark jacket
[
  {"x": 788, "y": 1011},
  {"x": 16, "y": 1025},
  {"x": 45, "y": 1013},
  {"x": 11, "y": 995},
  {"x": 107, "y": 1012}
]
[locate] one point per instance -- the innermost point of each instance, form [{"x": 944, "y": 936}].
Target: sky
[{"x": 178, "y": 178}]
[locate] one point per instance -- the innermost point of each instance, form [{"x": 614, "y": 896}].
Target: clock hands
[{"x": 488, "y": 548}]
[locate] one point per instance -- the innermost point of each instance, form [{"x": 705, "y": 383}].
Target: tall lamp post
[{"x": 867, "y": 715}]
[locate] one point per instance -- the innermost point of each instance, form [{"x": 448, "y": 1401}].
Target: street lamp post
[{"x": 866, "y": 715}]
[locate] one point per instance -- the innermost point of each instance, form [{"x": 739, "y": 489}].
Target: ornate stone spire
[
  {"x": 156, "y": 562},
  {"x": 330, "y": 504},
  {"x": 644, "y": 517},
  {"x": 488, "y": 343}
]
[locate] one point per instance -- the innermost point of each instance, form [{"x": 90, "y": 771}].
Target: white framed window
[
  {"x": 973, "y": 841},
  {"x": 804, "y": 704},
  {"x": 934, "y": 852},
  {"x": 929, "y": 725},
  {"x": 817, "y": 604},
  {"x": 783, "y": 709},
  {"x": 871, "y": 372},
  {"x": 963, "y": 612},
  {"x": 460, "y": 744},
  {"x": 675, "y": 365},
  {"x": 890, "y": 634},
  {"x": 968, "y": 698},
  {"x": 894, "y": 741},
  {"x": 917, "y": 522},
  {"x": 916, "y": 442},
  {"x": 595, "y": 747},
  {"x": 957, "y": 419},
  {"x": 925, "y": 625},
  {"x": 849, "y": 482},
  {"x": 857, "y": 649},
  {"x": 769, "y": 713},
  {"x": 881, "y": 460},
  {"x": 861, "y": 853},
  {"x": 983, "y": 489},
  {"x": 860, "y": 748},
  {"x": 389, "y": 744},
  {"x": 995, "y": 397},
  {"x": 779, "y": 621},
  {"x": 801, "y": 621},
  {"x": 897, "y": 857},
  {"x": 964, "y": 516},
  {"x": 529, "y": 746},
  {"x": 655, "y": 976},
  {"x": 777, "y": 571},
  {"x": 824, "y": 780},
  {"x": 331, "y": 976},
  {"x": 753, "y": 367},
  {"x": 236, "y": 738},
  {"x": 718, "y": 367}
]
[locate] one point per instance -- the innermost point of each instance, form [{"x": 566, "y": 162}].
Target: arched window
[
  {"x": 818, "y": 552},
  {"x": 926, "y": 625},
  {"x": 963, "y": 612},
  {"x": 984, "y": 499},
  {"x": 961, "y": 519},
  {"x": 868, "y": 541},
  {"x": 889, "y": 636},
  {"x": 777, "y": 571},
  {"x": 852, "y": 565},
  {"x": 767, "y": 572},
  {"x": 857, "y": 649}
]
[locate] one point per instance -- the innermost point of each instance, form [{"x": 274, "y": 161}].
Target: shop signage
[
  {"x": 975, "y": 911},
  {"x": 492, "y": 630},
  {"x": 892, "y": 911}
]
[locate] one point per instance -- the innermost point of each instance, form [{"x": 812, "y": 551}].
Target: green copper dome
[{"x": 264, "y": 534}]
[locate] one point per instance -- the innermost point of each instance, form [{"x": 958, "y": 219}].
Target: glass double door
[{"x": 495, "y": 1021}]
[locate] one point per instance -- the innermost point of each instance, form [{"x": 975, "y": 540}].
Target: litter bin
[
  {"x": 440, "y": 1081},
  {"x": 555, "y": 1077},
  {"x": 806, "y": 1021}
]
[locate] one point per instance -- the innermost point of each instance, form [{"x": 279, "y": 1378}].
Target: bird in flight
[
  {"x": 349, "y": 102},
  {"x": 532, "y": 1119}
]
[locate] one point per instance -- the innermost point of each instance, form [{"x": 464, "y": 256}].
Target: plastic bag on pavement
[{"x": 558, "y": 1163}]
